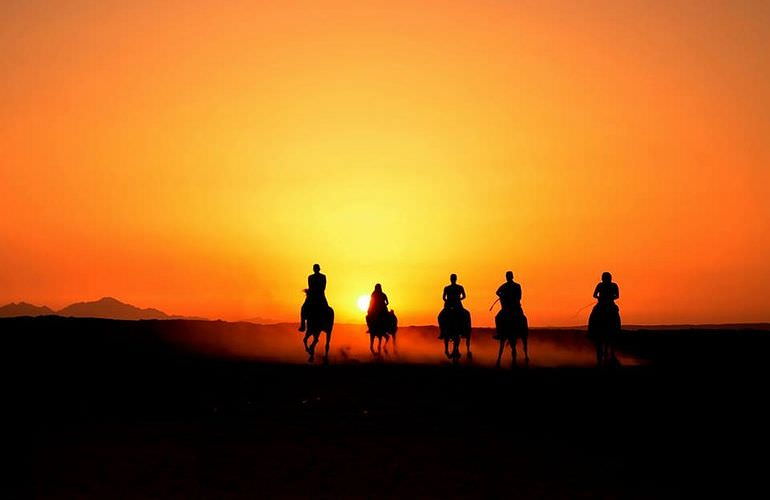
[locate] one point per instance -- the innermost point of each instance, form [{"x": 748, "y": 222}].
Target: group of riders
[{"x": 455, "y": 321}]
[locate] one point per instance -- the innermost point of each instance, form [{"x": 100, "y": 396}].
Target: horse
[
  {"x": 385, "y": 325},
  {"x": 509, "y": 326},
  {"x": 454, "y": 324},
  {"x": 320, "y": 319},
  {"x": 603, "y": 327}
]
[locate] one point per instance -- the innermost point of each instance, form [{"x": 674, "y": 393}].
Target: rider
[
  {"x": 315, "y": 296},
  {"x": 510, "y": 298},
  {"x": 453, "y": 296},
  {"x": 378, "y": 302},
  {"x": 604, "y": 318},
  {"x": 607, "y": 292}
]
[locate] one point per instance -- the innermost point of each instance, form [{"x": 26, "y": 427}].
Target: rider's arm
[
  {"x": 385, "y": 299},
  {"x": 443, "y": 297},
  {"x": 462, "y": 293},
  {"x": 323, "y": 283},
  {"x": 617, "y": 292},
  {"x": 596, "y": 292}
]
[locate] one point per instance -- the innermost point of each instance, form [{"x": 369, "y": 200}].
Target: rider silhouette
[
  {"x": 604, "y": 321},
  {"x": 378, "y": 305},
  {"x": 510, "y": 297},
  {"x": 606, "y": 292},
  {"x": 453, "y": 296},
  {"x": 378, "y": 302},
  {"x": 315, "y": 295}
]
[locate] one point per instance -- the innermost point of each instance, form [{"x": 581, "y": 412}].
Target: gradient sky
[{"x": 200, "y": 156}]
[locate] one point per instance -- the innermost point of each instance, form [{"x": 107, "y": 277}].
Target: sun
[{"x": 363, "y": 302}]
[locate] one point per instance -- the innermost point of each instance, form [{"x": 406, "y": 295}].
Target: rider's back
[
  {"x": 510, "y": 295},
  {"x": 606, "y": 292},
  {"x": 378, "y": 302},
  {"x": 316, "y": 285},
  {"x": 453, "y": 294}
]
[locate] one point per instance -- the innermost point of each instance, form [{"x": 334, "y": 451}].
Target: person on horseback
[
  {"x": 510, "y": 322},
  {"x": 378, "y": 304},
  {"x": 453, "y": 296},
  {"x": 315, "y": 295},
  {"x": 509, "y": 295},
  {"x": 604, "y": 321}
]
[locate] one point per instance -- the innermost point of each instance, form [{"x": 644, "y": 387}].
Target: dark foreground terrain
[{"x": 120, "y": 409}]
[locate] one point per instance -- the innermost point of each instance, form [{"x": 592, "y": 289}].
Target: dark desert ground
[{"x": 199, "y": 409}]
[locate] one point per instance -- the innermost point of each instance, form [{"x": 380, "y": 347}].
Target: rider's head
[
  {"x": 606, "y": 277},
  {"x": 509, "y": 276},
  {"x": 453, "y": 278},
  {"x": 378, "y": 288},
  {"x": 316, "y": 268}
]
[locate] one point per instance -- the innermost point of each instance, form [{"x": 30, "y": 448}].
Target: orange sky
[{"x": 199, "y": 158}]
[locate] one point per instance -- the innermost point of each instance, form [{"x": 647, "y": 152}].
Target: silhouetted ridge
[
  {"x": 109, "y": 307},
  {"x": 24, "y": 309}
]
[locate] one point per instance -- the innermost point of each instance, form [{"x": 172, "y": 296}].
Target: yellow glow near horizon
[{"x": 363, "y": 303}]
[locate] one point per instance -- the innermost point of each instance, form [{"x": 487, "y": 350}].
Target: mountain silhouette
[
  {"x": 105, "y": 308},
  {"x": 108, "y": 307},
  {"x": 24, "y": 309}
]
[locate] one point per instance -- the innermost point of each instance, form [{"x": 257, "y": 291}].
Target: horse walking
[
  {"x": 384, "y": 326},
  {"x": 319, "y": 320}
]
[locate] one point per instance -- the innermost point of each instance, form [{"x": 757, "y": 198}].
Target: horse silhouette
[
  {"x": 455, "y": 324},
  {"x": 511, "y": 324},
  {"x": 603, "y": 327},
  {"x": 383, "y": 325},
  {"x": 320, "y": 319},
  {"x": 604, "y": 321}
]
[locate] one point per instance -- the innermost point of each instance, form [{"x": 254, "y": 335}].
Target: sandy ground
[{"x": 121, "y": 410}]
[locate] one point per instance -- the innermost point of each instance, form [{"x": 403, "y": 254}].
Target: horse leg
[
  {"x": 371, "y": 343},
  {"x": 385, "y": 348},
  {"x": 328, "y": 342},
  {"x": 395, "y": 348},
  {"x": 312, "y": 348},
  {"x": 468, "y": 346},
  {"x": 304, "y": 341},
  {"x": 512, "y": 343},
  {"x": 524, "y": 346},
  {"x": 456, "y": 349},
  {"x": 379, "y": 345},
  {"x": 500, "y": 351},
  {"x": 446, "y": 346}
]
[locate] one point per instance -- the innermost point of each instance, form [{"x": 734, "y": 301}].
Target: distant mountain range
[{"x": 106, "y": 307}]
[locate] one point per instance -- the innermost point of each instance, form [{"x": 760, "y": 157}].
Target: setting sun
[{"x": 363, "y": 302}]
